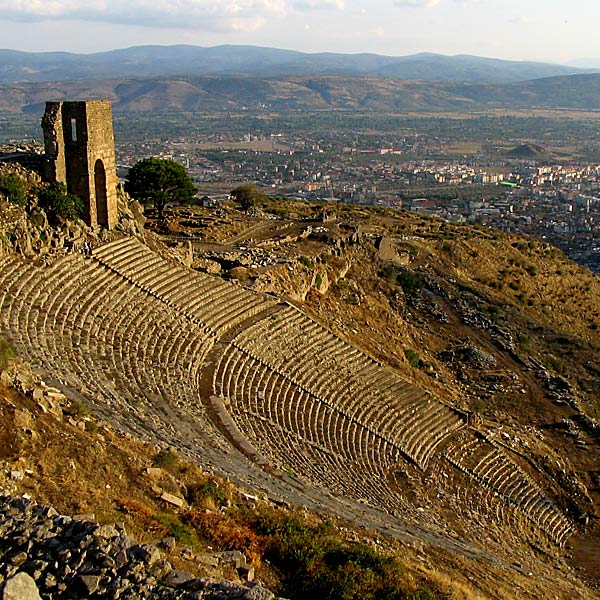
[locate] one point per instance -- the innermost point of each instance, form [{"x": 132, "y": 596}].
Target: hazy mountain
[
  {"x": 585, "y": 63},
  {"x": 235, "y": 92},
  {"x": 163, "y": 61}
]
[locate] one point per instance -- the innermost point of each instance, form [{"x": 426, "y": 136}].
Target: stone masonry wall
[
  {"x": 54, "y": 164},
  {"x": 80, "y": 152}
]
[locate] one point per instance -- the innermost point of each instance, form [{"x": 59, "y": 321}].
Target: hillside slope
[
  {"x": 220, "y": 93},
  {"x": 453, "y": 370}
]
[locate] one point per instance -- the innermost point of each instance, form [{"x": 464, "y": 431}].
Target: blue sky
[{"x": 548, "y": 30}]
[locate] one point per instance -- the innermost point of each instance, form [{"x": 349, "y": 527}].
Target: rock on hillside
[{"x": 55, "y": 556}]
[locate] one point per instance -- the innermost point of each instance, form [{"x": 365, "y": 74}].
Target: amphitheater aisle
[{"x": 155, "y": 347}]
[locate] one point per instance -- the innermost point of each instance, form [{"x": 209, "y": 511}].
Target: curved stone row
[
  {"x": 349, "y": 381},
  {"x": 494, "y": 469},
  {"x": 298, "y": 432},
  {"x": 92, "y": 329},
  {"x": 308, "y": 401},
  {"x": 214, "y": 303}
]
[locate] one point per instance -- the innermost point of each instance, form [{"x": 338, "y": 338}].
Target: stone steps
[
  {"x": 268, "y": 409},
  {"x": 213, "y": 302},
  {"x": 496, "y": 470},
  {"x": 313, "y": 358},
  {"x": 132, "y": 331}
]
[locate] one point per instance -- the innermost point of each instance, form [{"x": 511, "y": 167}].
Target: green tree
[
  {"x": 58, "y": 203},
  {"x": 158, "y": 181},
  {"x": 247, "y": 196},
  {"x": 410, "y": 282},
  {"x": 14, "y": 188}
]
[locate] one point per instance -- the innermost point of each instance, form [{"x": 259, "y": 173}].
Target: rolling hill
[
  {"x": 218, "y": 93},
  {"x": 479, "y": 459},
  {"x": 195, "y": 61}
]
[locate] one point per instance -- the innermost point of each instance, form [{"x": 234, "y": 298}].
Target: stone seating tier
[
  {"x": 494, "y": 469},
  {"x": 213, "y": 302},
  {"x": 132, "y": 332}
]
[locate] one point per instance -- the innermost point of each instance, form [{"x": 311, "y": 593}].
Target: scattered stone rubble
[{"x": 49, "y": 556}]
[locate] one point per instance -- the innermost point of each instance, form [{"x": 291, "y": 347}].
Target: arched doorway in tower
[{"x": 101, "y": 194}]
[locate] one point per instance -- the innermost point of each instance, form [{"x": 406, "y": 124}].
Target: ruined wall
[
  {"x": 80, "y": 152},
  {"x": 54, "y": 161}
]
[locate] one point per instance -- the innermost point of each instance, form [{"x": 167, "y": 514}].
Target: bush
[
  {"x": 524, "y": 342},
  {"x": 181, "y": 532},
  {"x": 532, "y": 270},
  {"x": 318, "y": 281},
  {"x": 6, "y": 353},
  {"x": 205, "y": 494},
  {"x": 410, "y": 282},
  {"x": 305, "y": 261},
  {"x": 225, "y": 532},
  {"x": 388, "y": 272},
  {"x": 76, "y": 409},
  {"x": 165, "y": 459},
  {"x": 478, "y": 405},
  {"x": 413, "y": 358},
  {"x": 14, "y": 188},
  {"x": 58, "y": 203},
  {"x": 555, "y": 364},
  {"x": 319, "y": 564}
]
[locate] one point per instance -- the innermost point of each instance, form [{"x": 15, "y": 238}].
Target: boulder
[{"x": 20, "y": 587}]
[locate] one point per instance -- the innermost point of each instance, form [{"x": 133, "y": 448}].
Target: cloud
[
  {"x": 319, "y": 4},
  {"x": 431, "y": 3},
  {"x": 417, "y": 3},
  {"x": 217, "y": 15},
  {"x": 521, "y": 20}
]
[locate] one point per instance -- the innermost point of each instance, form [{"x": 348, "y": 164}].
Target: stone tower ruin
[{"x": 80, "y": 152}]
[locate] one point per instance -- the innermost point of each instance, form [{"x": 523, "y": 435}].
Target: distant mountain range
[
  {"x": 585, "y": 63},
  {"x": 192, "y": 78},
  {"x": 318, "y": 92},
  {"x": 196, "y": 61}
]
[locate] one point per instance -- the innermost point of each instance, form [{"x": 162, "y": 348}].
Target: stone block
[
  {"x": 258, "y": 593},
  {"x": 20, "y": 587},
  {"x": 246, "y": 572},
  {"x": 174, "y": 500},
  {"x": 177, "y": 578},
  {"x": 208, "y": 559}
]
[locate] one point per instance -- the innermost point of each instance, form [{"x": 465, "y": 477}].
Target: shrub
[
  {"x": 181, "y": 532},
  {"x": 413, "y": 358},
  {"x": 321, "y": 565},
  {"x": 144, "y": 516},
  {"x": 532, "y": 270},
  {"x": 206, "y": 493},
  {"x": 410, "y": 282},
  {"x": 76, "y": 409},
  {"x": 6, "y": 353},
  {"x": 58, "y": 203},
  {"x": 478, "y": 405},
  {"x": 318, "y": 281},
  {"x": 388, "y": 272},
  {"x": 227, "y": 533},
  {"x": 305, "y": 261},
  {"x": 165, "y": 459},
  {"x": 14, "y": 188},
  {"x": 555, "y": 364},
  {"x": 524, "y": 342}
]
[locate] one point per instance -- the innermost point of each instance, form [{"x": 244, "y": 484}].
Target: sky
[{"x": 544, "y": 30}]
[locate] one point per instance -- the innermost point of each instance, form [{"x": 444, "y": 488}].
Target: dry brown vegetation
[{"x": 438, "y": 304}]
